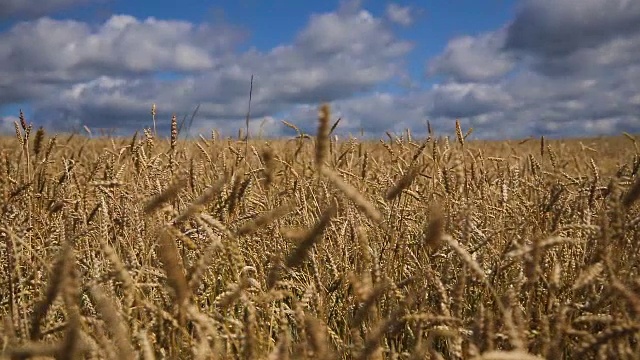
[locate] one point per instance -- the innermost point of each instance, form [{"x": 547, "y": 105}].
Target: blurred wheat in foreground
[{"x": 315, "y": 248}]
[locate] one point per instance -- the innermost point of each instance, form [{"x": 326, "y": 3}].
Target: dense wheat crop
[{"x": 314, "y": 248}]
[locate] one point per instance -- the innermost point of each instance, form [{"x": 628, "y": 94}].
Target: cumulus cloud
[
  {"x": 561, "y": 68},
  {"x": 399, "y": 14},
  {"x": 559, "y": 27},
  {"x": 35, "y": 55},
  {"x": 469, "y": 58},
  {"x": 122, "y": 44},
  {"x": 463, "y": 100},
  {"x": 572, "y": 36},
  {"x": 355, "y": 33},
  {"x": 107, "y": 74},
  {"x": 612, "y": 55},
  {"x": 532, "y": 103},
  {"x": 374, "y": 113}
]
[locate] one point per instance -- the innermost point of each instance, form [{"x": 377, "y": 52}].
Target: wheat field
[{"x": 318, "y": 248}]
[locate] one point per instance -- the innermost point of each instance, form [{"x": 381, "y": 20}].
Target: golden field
[{"x": 313, "y": 248}]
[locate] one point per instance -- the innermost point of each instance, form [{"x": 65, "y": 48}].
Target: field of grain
[{"x": 313, "y": 248}]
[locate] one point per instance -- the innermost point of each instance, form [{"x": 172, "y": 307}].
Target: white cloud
[
  {"x": 378, "y": 112},
  {"x": 469, "y": 58},
  {"x": 106, "y": 73},
  {"x": 45, "y": 52},
  {"x": 462, "y": 100},
  {"x": 355, "y": 34},
  {"x": 563, "y": 68},
  {"x": 401, "y": 15},
  {"x": 122, "y": 44}
]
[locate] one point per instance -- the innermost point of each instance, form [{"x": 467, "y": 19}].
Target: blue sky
[{"x": 509, "y": 69}]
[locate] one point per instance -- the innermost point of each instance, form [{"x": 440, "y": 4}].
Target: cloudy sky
[{"x": 507, "y": 68}]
